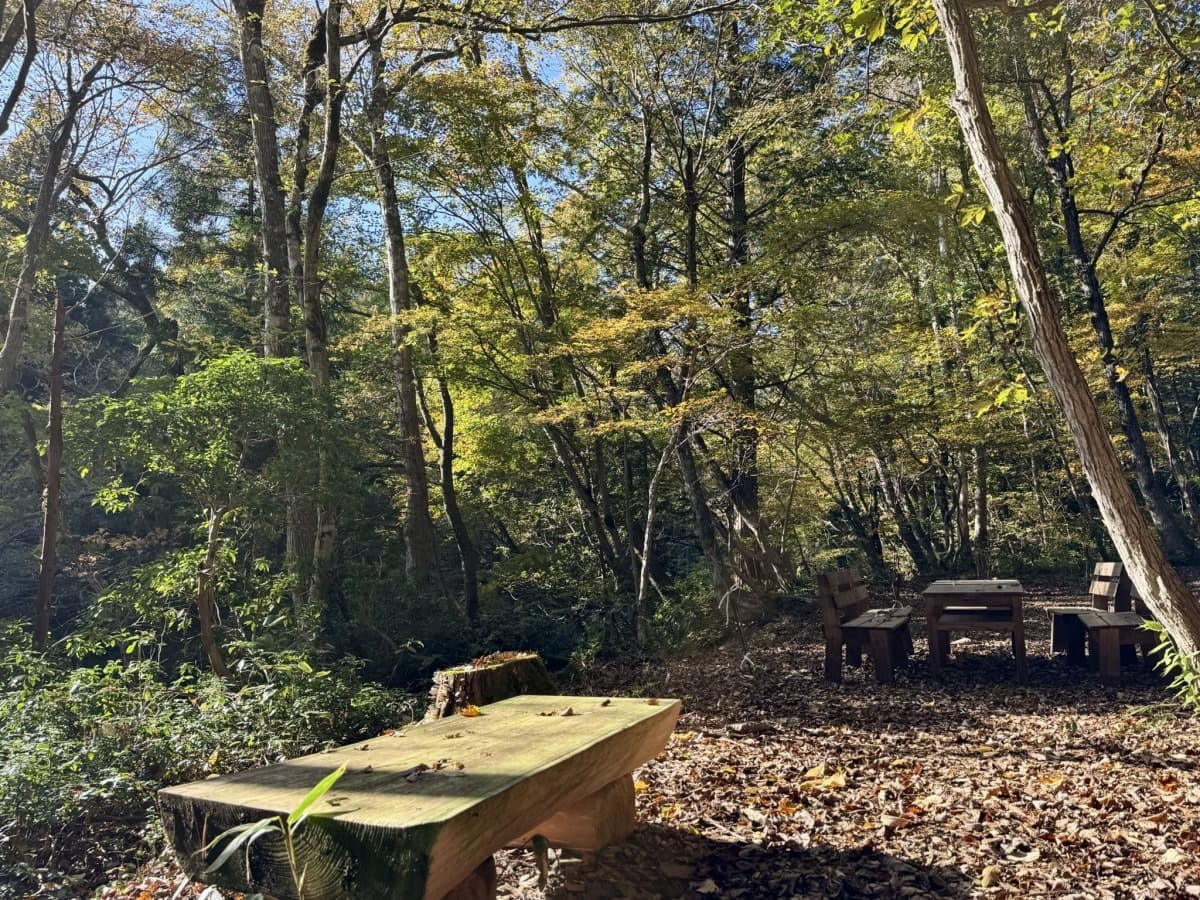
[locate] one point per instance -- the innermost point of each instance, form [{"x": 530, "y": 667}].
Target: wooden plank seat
[
  {"x": 1107, "y": 633},
  {"x": 419, "y": 812},
  {"x": 849, "y": 624}
]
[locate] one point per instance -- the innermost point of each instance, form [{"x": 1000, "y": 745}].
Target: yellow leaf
[
  {"x": 815, "y": 772},
  {"x": 639, "y": 786},
  {"x": 212, "y": 760},
  {"x": 470, "y": 711},
  {"x": 1052, "y": 781},
  {"x": 990, "y": 877}
]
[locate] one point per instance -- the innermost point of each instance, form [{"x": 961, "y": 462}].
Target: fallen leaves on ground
[{"x": 779, "y": 784}]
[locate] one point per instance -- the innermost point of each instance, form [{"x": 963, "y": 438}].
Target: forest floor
[{"x": 779, "y": 784}]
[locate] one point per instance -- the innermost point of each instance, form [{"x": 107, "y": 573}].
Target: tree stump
[{"x": 488, "y": 679}]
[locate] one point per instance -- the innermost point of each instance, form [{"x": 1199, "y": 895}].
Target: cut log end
[{"x": 488, "y": 679}]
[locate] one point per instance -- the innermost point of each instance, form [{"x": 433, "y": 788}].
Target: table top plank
[{"x": 978, "y": 586}]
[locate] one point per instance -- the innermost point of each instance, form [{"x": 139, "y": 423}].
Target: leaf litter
[{"x": 778, "y": 784}]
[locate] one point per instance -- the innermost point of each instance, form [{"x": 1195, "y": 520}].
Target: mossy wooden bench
[{"x": 419, "y": 812}]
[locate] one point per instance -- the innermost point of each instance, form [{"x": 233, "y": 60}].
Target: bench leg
[
  {"x": 1074, "y": 637},
  {"x": 1108, "y": 642},
  {"x": 479, "y": 885},
  {"x": 833, "y": 659},
  {"x": 1067, "y": 633},
  {"x": 592, "y": 823},
  {"x": 881, "y": 655},
  {"x": 1148, "y": 643},
  {"x": 854, "y": 651}
]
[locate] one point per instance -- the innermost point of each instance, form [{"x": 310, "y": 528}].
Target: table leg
[
  {"x": 933, "y": 614},
  {"x": 1018, "y": 640}
]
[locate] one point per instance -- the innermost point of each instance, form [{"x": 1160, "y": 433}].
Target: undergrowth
[{"x": 86, "y": 748}]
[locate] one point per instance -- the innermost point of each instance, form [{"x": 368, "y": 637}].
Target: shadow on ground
[{"x": 662, "y": 862}]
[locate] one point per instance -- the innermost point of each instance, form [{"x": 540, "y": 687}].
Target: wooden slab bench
[
  {"x": 848, "y": 622},
  {"x": 419, "y": 812}
]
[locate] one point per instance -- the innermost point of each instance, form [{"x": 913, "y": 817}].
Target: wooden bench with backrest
[
  {"x": 420, "y": 811},
  {"x": 849, "y": 623},
  {"x": 1110, "y": 628}
]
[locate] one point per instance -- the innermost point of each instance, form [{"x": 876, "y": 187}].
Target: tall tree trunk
[
  {"x": 916, "y": 550},
  {"x": 1059, "y": 168},
  {"x": 965, "y": 554},
  {"x": 420, "y": 545},
  {"x": 1179, "y": 468},
  {"x": 979, "y": 534},
  {"x": 51, "y": 497},
  {"x": 53, "y": 182},
  {"x": 263, "y": 130},
  {"x": 316, "y": 331},
  {"x": 646, "y": 554},
  {"x": 1158, "y": 583},
  {"x": 206, "y": 595},
  {"x": 468, "y": 552}
]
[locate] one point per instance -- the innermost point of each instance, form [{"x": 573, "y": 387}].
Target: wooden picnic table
[
  {"x": 992, "y": 604},
  {"x": 420, "y": 811}
]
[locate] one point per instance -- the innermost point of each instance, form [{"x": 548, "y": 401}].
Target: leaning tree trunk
[
  {"x": 488, "y": 679},
  {"x": 1159, "y": 584},
  {"x": 48, "y": 564}
]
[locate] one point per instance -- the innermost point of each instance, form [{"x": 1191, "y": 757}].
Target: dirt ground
[{"x": 778, "y": 784}]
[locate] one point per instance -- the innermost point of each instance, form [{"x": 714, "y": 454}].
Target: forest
[{"x": 347, "y": 341}]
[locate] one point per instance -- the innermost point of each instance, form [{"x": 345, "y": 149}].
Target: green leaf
[
  {"x": 300, "y": 813},
  {"x": 241, "y": 835}
]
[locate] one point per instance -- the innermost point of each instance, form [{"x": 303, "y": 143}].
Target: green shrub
[{"x": 87, "y": 747}]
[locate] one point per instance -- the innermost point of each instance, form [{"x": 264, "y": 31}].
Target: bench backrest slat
[
  {"x": 841, "y": 595},
  {"x": 1110, "y": 587}
]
